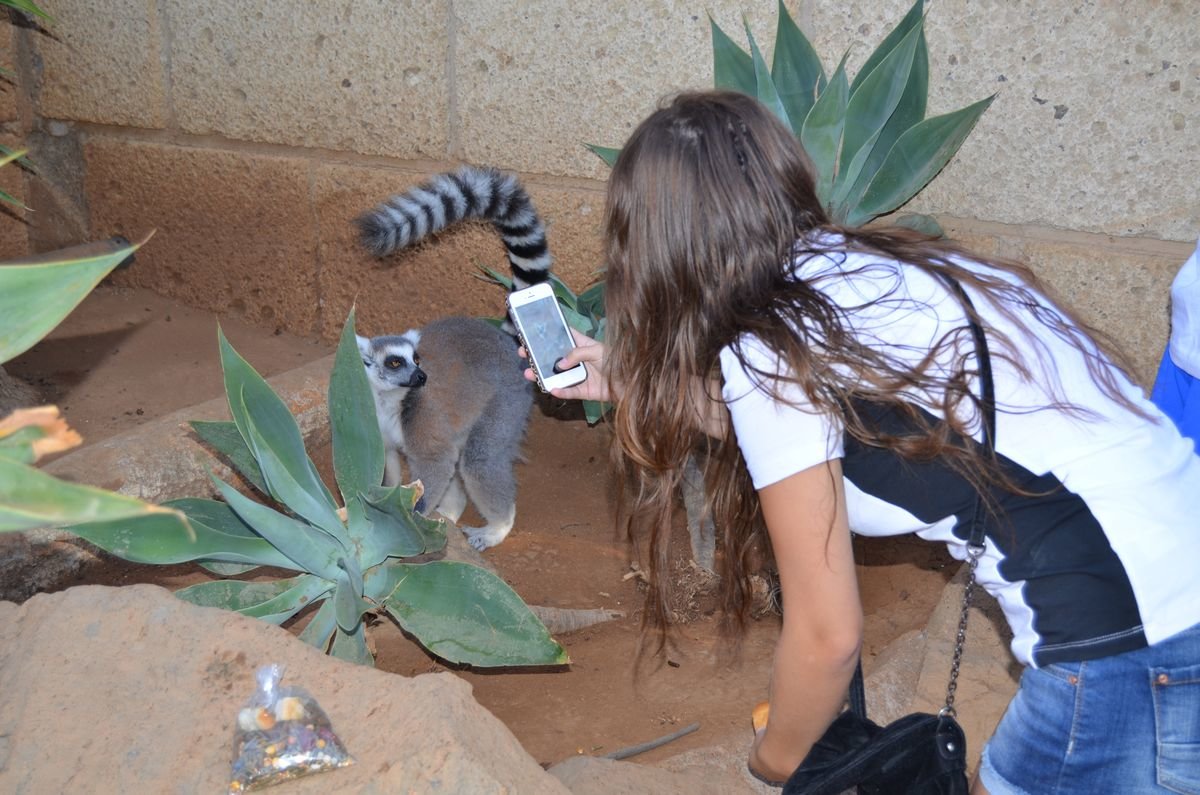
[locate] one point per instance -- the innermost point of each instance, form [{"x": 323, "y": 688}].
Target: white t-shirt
[{"x": 1104, "y": 560}]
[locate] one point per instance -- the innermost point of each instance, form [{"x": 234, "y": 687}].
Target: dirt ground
[{"x": 126, "y": 356}]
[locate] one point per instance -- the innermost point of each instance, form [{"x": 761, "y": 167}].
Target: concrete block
[
  {"x": 103, "y": 63},
  {"x": 436, "y": 277},
  {"x": 9, "y": 90},
  {"x": 359, "y": 77},
  {"x": 234, "y": 230},
  {"x": 536, "y": 81}
]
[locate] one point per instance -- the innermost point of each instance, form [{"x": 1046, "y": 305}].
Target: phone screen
[{"x": 546, "y": 337}]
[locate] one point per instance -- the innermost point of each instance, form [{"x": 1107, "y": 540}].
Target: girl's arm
[{"x": 819, "y": 645}]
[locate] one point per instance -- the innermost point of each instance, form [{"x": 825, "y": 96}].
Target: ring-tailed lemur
[{"x": 452, "y": 396}]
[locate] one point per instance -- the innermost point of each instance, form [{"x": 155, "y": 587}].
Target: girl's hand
[
  {"x": 763, "y": 767},
  {"x": 590, "y": 354}
]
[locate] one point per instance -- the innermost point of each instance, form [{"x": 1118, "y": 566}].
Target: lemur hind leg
[
  {"x": 454, "y": 501},
  {"x": 492, "y": 487},
  {"x": 435, "y": 474}
]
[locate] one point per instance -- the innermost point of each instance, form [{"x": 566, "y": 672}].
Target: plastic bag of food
[{"x": 281, "y": 734}]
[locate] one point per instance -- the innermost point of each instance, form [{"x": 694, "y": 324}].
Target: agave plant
[
  {"x": 869, "y": 139},
  {"x": 370, "y": 554}
]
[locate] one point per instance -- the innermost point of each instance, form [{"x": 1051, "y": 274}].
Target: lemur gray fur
[{"x": 452, "y": 396}]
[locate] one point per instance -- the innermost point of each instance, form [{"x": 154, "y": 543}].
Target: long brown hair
[{"x": 711, "y": 204}]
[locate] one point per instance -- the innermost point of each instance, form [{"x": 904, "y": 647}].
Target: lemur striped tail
[{"x": 470, "y": 192}]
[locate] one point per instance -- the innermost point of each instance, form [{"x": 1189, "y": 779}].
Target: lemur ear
[{"x": 364, "y": 345}]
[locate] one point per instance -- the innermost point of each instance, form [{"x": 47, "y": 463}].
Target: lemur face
[{"x": 392, "y": 362}]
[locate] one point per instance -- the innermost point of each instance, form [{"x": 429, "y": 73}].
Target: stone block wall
[{"x": 247, "y": 134}]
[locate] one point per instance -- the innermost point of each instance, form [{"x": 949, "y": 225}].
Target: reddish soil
[{"x": 126, "y": 356}]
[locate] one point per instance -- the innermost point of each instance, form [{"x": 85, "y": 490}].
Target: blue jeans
[{"x": 1125, "y": 724}]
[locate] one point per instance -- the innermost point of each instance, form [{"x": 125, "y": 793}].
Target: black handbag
[{"x": 921, "y": 754}]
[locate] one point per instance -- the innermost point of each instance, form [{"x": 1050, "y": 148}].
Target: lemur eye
[
  {"x": 416, "y": 358},
  {"x": 393, "y": 362}
]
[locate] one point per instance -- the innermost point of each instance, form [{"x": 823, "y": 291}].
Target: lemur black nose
[{"x": 418, "y": 378}]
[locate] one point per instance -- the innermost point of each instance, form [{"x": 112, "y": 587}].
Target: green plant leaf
[
  {"x": 796, "y": 70},
  {"x": 352, "y": 646},
  {"x": 29, "y": 7},
  {"x": 764, "y": 85},
  {"x": 591, "y": 300},
  {"x": 348, "y": 603},
  {"x": 562, "y": 292},
  {"x": 733, "y": 69},
  {"x": 926, "y": 224},
  {"x": 917, "y": 158},
  {"x": 821, "y": 135},
  {"x": 36, "y": 293},
  {"x": 226, "y": 439},
  {"x": 275, "y": 601},
  {"x": 398, "y": 531},
  {"x": 915, "y": 14},
  {"x": 226, "y": 569},
  {"x": 271, "y": 433},
  {"x": 465, "y": 614},
  {"x": 8, "y": 198},
  {"x": 606, "y": 153},
  {"x": 31, "y": 498},
  {"x": 222, "y": 536},
  {"x": 320, "y": 627},
  {"x": 496, "y": 277},
  {"x": 869, "y": 108},
  {"x": 311, "y": 549},
  {"x": 909, "y": 111},
  {"x": 357, "y": 443}
]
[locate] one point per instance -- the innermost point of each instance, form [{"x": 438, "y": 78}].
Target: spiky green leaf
[
  {"x": 926, "y": 224},
  {"x": 764, "y": 85},
  {"x": 733, "y": 69},
  {"x": 465, "y": 614},
  {"x": 606, "y": 153},
  {"x": 795, "y": 69},
  {"x": 871, "y": 105},
  {"x": 36, "y": 293},
  {"x": 352, "y": 646},
  {"x": 274, "y": 601},
  {"x": 320, "y": 628},
  {"x": 821, "y": 135},
  {"x": 916, "y": 158},
  {"x": 348, "y": 595},
  {"x": 226, "y": 439},
  {"x": 223, "y": 537},
  {"x": 29, "y": 7},
  {"x": 915, "y": 15},
  {"x": 357, "y": 443}
]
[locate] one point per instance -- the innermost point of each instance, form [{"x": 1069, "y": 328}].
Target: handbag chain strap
[{"x": 975, "y": 541}]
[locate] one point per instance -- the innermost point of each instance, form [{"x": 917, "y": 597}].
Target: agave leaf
[
  {"x": 869, "y": 108},
  {"x": 465, "y": 614},
  {"x": 733, "y": 69},
  {"x": 591, "y": 300},
  {"x": 497, "y": 277},
  {"x": 909, "y": 111},
  {"x": 8, "y": 198},
  {"x": 764, "y": 85},
  {"x": 35, "y": 296},
  {"x": 274, "y": 421},
  {"x": 917, "y": 157},
  {"x": 31, "y": 498},
  {"x": 352, "y": 646},
  {"x": 283, "y": 486},
  {"x": 562, "y": 292},
  {"x": 821, "y": 135},
  {"x": 357, "y": 444},
  {"x": 915, "y": 14},
  {"x": 925, "y": 224},
  {"x": 275, "y": 601},
  {"x": 311, "y": 549},
  {"x": 606, "y": 153},
  {"x": 348, "y": 603},
  {"x": 796, "y": 70},
  {"x": 227, "y": 539},
  {"x": 322, "y": 625},
  {"x": 224, "y": 569},
  {"x": 226, "y": 439},
  {"x": 398, "y": 531},
  {"x": 29, "y": 7},
  {"x": 594, "y": 411}
]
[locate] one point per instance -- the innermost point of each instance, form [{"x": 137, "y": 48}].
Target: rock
[
  {"x": 892, "y": 677},
  {"x": 131, "y": 690}
]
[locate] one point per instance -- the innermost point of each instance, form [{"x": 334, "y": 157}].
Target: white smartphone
[{"x": 545, "y": 334}]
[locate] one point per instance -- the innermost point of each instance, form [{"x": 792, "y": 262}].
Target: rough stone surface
[
  {"x": 131, "y": 690},
  {"x": 234, "y": 230},
  {"x": 891, "y": 678},
  {"x": 587, "y": 775},
  {"x": 438, "y": 276},
  {"x": 103, "y": 63},
  {"x": 596, "y": 70},
  {"x": 158, "y": 461},
  {"x": 358, "y": 77}
]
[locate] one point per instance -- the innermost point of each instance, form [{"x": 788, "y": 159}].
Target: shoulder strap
[{"x": 975, "y": 540}]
